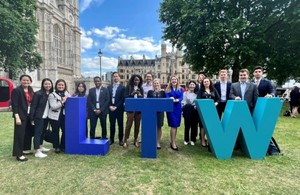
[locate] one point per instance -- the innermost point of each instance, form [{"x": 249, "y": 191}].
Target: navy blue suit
[
  {"x": 118, "y": 114},
  {"x": 222, "y": 104},
  {"x": 265, "y": 87},
  {"x": 91, "y": 102}
]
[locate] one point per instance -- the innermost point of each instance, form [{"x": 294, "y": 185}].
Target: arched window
[{"x": 57, "y": 40}]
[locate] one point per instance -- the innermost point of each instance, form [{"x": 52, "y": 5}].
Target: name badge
[{"x": 28, "y": 110}]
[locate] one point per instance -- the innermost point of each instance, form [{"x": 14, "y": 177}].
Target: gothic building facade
[
  {"x": 170, "y": 63},
  {"x": 58, "y": 41}
]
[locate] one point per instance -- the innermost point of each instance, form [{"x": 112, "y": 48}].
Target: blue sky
[{"x": 119, "y": 28}]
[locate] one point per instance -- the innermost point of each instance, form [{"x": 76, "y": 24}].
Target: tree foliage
[
  {"x": 236, "y": 34},
  {"x": 18, "y": 36}
]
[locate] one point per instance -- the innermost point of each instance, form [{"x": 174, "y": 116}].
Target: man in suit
[
  {"x": 223, "y": 88},
  {"x": 116, "y": 108},
  {"x": 265, "y": 87},
  {"x": 244, "y": 90},
  {"x": 97, "y": 102}
]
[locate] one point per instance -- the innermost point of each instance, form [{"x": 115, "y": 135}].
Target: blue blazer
[
  {"x": 265, "y": 87},
  {"x": 217, "y": 86},
  {"x": 119, "y": 96}
]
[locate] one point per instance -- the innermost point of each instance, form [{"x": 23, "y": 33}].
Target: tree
[
  {"x": 18, "y": 36},
  {"x": 235, "y": 34}
]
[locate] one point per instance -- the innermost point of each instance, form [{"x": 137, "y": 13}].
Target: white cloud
[
  {"x": 86, "y": 42},
  {"x": 85, "y": 4},
  {"x": 107, "y": 32},
  {"x": 133, "y": 45},
  {"x": 93, "y": 64}
]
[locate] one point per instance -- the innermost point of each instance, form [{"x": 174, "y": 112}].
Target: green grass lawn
[{"x": 191, "y": 170}]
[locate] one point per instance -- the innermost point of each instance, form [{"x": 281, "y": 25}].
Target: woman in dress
[
  {"x": 20, "y": 101},
  {"x": 207, "y": 91},
  {"x": 175, "y": 92},
  {"x": 158, "y": 93},
  {"x": 39, "y": 116},
  {"x": 133, "y": 89},
  {"x": 56, "y": 115},
  {"x": 190, "y": 114}
]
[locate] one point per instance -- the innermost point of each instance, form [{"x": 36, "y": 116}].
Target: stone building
[
  {"x": 58, "y": 42},
  {"x": 170, "y": 63}
]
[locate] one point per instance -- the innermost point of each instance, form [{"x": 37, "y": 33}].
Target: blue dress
[{"x": 174, "y": 118}]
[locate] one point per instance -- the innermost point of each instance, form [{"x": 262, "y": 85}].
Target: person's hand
[
  {"x": 112, "y": 108},
  {"x": 64, "y": 99},
  {"x": 268, "y": 96},
  {"x": 97, "y": 112},
  {"x": 18, "y": 121},
  {"x": 237, "y": 98},
  {"x": 32, "y": 122}
]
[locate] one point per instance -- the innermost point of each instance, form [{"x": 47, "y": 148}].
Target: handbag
[{"x": 48, "y": 136}]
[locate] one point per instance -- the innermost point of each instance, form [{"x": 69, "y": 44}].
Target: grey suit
[{"x": 251, "y": 93}]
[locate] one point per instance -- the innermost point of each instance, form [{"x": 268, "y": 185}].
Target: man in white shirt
[
  {"x": 148, "y": 85},
  {"x": 223, "y": 87}
]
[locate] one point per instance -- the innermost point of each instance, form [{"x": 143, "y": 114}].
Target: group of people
[{"x": 34, "y": 110}]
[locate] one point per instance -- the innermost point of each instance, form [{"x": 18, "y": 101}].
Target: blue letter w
[{"x": 256, "y": 130}]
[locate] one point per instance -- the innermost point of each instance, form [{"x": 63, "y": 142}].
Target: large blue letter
[
  {"x": 255, "y": 133},
  {"x": 76, "y": 141},
  {"x": 149, "y": 107}
]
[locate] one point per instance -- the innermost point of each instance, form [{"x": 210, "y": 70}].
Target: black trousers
[
  {"x": 22, "y": 137},
  {"x": 40, "y": 126},
  {"x": 220, "y": 108},
  {"x": 56, "y": 125},
  {"x": 191, "y": 125},
  {"x": 117, "y": 115},
  {"x": 93, "y": 124}
]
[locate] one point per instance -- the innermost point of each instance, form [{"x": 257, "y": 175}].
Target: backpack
[{"x": 273, "y": 148}]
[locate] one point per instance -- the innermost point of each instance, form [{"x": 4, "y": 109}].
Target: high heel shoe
[{"x": 176, "y": 148}]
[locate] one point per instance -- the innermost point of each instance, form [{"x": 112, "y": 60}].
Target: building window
[
  {"x": 193, "y": 76},
  {"x": 57, "y": 41}
]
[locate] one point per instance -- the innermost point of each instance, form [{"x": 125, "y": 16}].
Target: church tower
[{"x": 58, "y": 41}]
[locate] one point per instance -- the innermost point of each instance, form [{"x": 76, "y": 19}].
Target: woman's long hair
[
  {"x": 77, "y": 92},
  {"x": 211, "y": 87},
  {"x": 169, "y": 87},
  {"x": 42, "y": 85},
  {"x": 58, "y": 81}
]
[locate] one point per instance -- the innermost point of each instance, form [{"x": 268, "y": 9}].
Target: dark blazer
[
  {"x": 129, "y": 89},
  {"x": 160, "y": 94},
  {"x": 251, "y": 93},
  {"x": 103, "y": 100},
  {"x": 197, "y": 88},
  {"x": 213, "y": 95},
  {"x": 265, "y": 87},
  {"x": 19, "y": 102},
  {"x": 217, "y": 86},
  {"x": 38, "y": 105},
  {"x": 119, "y": 96}
]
